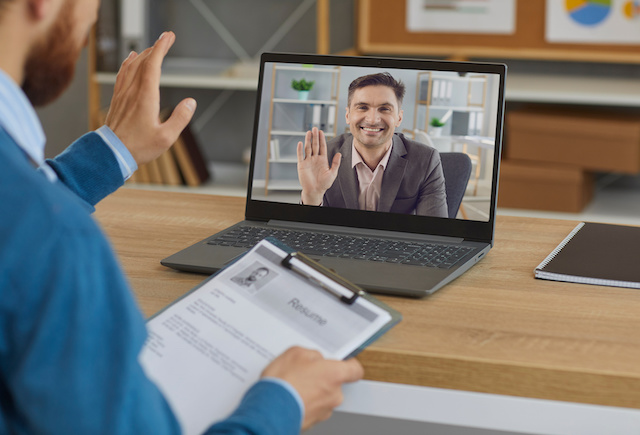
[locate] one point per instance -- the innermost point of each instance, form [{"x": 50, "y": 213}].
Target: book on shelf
[
  {"x": 154, "y": 172},
  {"x": 183, "y": 163},
  {"x": 169, "y": 169},
  {"x": 594, "y": 253},
  {"x": 187, "y": 169},
  {"x": 195, "y": 154},
  {"x": 142, "y": 174}
]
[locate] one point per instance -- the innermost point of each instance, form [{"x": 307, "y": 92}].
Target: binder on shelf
[
  {"x": 435, "y": 92},
  {"x": 449, "y": 92},
  {"x": 274, "y": 149},
  {"x": 331, "y": 117},
  {"x": 460, "y": 123},
  {"x": 107, "y": 38},
  {"x": 208, "y": 348},
  {"x": 317, "y": 115},
  {"x": 308, "y": 117},
  {"x": 598, "y": 254},
  {"x": 472, "y": 123},
  {"x": 479, "y": 124},
  {"x": 133, "y": 26},
  {"x": 323, "y": 117}
]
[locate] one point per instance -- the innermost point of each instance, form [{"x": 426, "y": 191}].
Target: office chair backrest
[{"x": 457, "y": 170}]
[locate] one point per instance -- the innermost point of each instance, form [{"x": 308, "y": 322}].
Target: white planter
[{"x": 303, "y": 95}]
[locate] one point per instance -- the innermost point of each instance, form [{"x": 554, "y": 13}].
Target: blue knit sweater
[{"x": 70, "y": 330}]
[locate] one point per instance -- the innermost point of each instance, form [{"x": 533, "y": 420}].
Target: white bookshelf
[{"x": 535, "y": 88}]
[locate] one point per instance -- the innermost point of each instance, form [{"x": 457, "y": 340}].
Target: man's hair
[{"x": 379, "y": 79}]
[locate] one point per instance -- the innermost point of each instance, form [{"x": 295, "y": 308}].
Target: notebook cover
[{"x": 602, "y": 254}]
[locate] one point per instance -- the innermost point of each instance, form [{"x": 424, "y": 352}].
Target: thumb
[
  {"x": 335, "y": 164},
  {"x": 353, "y": 370},
  {"x": 180, "y": 117}
]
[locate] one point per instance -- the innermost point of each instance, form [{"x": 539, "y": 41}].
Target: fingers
[
  {"x": 353, "y": 370},
  {"x": 335, "y": 163},
  {"x": 300, "y": 152},
  {"x": 179, "y": 119},
  {"x": 307, "y": 144},
  {"x": 121, "y": 77},
  {"x": 315, "y": 142},
  {"x": 148, "y": 63},
  {"x": 322, "y": 145},
  {"x": 155, "y": 57},
  {"x": 129, "y": 70}
]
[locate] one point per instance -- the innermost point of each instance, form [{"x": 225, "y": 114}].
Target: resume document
[{"x": 207, "y": 349}]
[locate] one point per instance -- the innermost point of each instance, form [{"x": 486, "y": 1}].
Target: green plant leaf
[
  {"x": 435, "y": 122},
  {"x": 302, "y": 84}
]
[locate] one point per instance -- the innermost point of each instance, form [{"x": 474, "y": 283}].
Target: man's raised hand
[
  {"x": 135, "y": 107},
  {"x": 314, "y": 172}
]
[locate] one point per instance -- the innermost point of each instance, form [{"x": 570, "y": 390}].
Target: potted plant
[
  {"x": 436, "y": 126},
  {"x": 303, "y": 87}
]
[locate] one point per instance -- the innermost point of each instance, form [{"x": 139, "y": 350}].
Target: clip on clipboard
[{"x": 322, "y": 277}]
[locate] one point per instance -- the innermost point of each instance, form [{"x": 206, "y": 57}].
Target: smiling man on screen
[{"x": 372, "y": 168}]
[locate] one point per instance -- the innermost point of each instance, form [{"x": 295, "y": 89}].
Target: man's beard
[{"x": 51, "y": 63}]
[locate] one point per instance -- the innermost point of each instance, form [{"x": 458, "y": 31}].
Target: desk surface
[{"x": 495, "y": 329}]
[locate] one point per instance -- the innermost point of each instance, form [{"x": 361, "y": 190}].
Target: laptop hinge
[{"x": 335, "y": 229}]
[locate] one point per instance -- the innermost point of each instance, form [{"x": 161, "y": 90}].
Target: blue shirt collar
[{"x": 19, "y": 119}]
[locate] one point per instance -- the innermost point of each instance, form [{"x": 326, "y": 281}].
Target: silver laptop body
[{"x": 467, "y": 96}]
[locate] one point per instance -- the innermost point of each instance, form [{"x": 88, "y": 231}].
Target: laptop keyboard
[{"x": 354, "y": 247}]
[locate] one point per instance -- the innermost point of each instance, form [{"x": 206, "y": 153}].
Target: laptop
[{"x": 399, "y": 252}]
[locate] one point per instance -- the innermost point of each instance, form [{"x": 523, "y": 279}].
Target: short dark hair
[{"x": 379, "y": 79}]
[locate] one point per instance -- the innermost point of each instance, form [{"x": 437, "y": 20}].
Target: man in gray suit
[{"x": 372, "y": 168}]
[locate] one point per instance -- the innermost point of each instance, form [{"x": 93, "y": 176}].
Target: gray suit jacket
[{"x": 413, "y": 181}]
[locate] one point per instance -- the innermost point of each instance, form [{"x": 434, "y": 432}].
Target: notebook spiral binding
[{"x": 559, "y": 247}]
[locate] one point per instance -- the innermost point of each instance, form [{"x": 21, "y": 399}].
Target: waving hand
[{"x": 314, "y": 172}]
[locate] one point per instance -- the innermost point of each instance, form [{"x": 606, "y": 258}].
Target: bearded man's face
[{"x": 52, "y": 61}]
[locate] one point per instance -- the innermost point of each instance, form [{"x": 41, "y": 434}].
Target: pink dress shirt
[{"x": 369, "y": 182}]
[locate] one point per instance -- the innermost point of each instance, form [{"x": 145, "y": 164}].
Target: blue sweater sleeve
[
  {"x": 88, "y": 168},
  {"x": 266, "y": 409},
  {"x": 71, "y": 332}
]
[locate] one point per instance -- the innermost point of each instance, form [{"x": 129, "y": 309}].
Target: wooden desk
[{"x": 494, "y": 330}]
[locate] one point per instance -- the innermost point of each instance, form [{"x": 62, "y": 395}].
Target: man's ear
[
  {"x": 346, "y": 116},
  {"x": 400, "y": 118}
]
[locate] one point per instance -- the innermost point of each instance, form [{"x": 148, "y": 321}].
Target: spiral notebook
[{"x": 598, "y": 254}]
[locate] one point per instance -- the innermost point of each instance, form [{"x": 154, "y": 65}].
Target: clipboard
[
  {"x": 206, "y": 349},
  {"x": 344, "y": 290}
]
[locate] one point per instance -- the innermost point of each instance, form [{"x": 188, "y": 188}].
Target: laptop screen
[{"x": 418, "y": 141}]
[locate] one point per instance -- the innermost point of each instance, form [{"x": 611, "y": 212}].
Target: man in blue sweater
[{"x": 70, "y": 331}]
